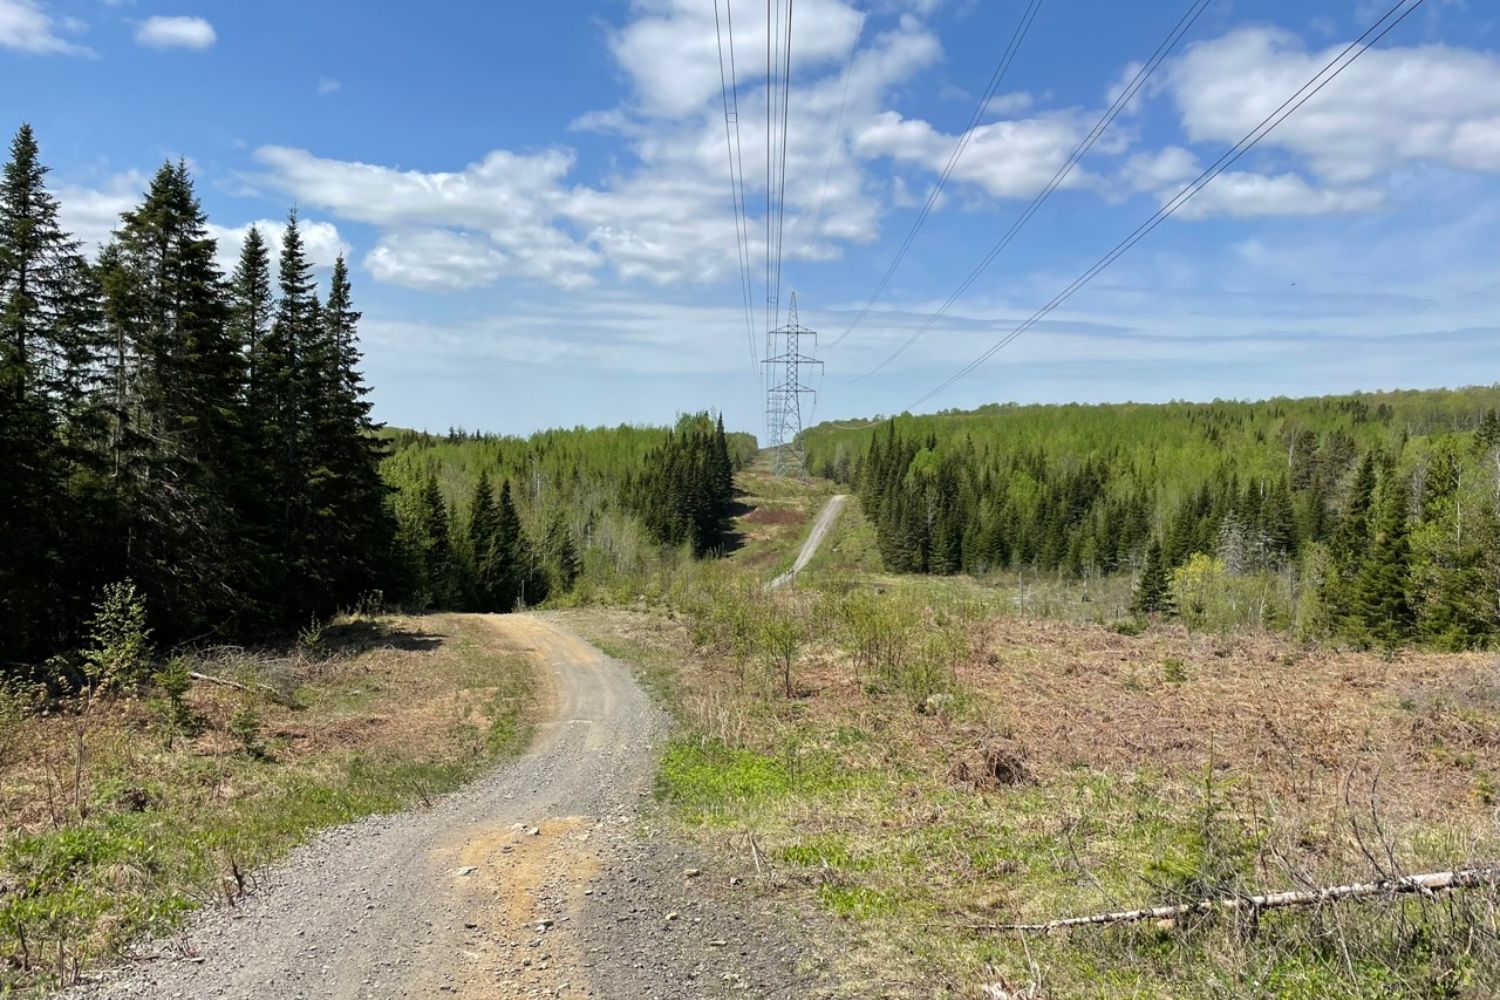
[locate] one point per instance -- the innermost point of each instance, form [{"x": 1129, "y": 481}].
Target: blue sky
[{"x": 535, "y": 198}]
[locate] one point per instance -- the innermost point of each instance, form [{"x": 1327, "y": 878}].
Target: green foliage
[
  {"x": 206, "y": 438},
  {"x": 119, "y": 650},
  {"x": 1153, "y": 593},
  {"x": 245, "y": 726},
  {"x": 1283, "y": 514},
  {"x": 485, "y": 521},
  {"x": 174, "y": 717}
]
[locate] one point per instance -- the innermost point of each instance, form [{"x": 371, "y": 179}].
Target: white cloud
[
  {"x": 664, "y": 218},
  {"x": 25, "y": 25},
  {"x": 435, "y": 260},
  {"x": 321, "y": 241},
  {"x": 176, "y": 33},
  {"x": 92, "y": 214},
  {"x": 671, "y": 48},
  {"x": 1007, "y": 159},
  {"x": 1009, "y": 104},
  {"x": 1395, "y": 106},
  {"x": 328, "y": 85},
  {"x": 1246, "y": 194}
]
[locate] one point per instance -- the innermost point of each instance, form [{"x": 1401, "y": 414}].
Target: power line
[
  {"x": 964, "y": 136},
  {"x": 786, "y": 90},
  {"x": 1121, "y": 102},
  {"x": 1321, "y": 79},
  {"x": 727, "y": 82},
  {"x": 838, "y": 133}
]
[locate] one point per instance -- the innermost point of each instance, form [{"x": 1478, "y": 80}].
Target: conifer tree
[
  {"x": 188, "y": 467},
  {"x": 1153, "y": 588},
  {"x": 33, "y": 251},
  {"x": 489, "y": 573},
  {"x": 1381, "y": 610},
  {"x": 252, "y": 306}
]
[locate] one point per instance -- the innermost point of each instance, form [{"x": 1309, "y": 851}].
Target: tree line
[
  {"x": 1381, "y": 513},
  {"x": 486, "y": 522},
  {"x": 206, "y": 437}
]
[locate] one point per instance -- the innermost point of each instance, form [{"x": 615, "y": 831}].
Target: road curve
[
  {"x": 532, "y": 882},
  {"x": 829, "y": 514}
]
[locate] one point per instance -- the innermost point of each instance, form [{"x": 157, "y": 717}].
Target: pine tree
[
  {"x": 1380, "y": 611},
  {"x": 186, "y": 465},
  {"x": 252, "y": 305},
  {"x": 562, "y": 555},
  {"x": 33, "y": 251},
  {"x": 1153, "y": 588},
  {"x": 488, "y": 573},
  {"x": 439, "y": 573}
]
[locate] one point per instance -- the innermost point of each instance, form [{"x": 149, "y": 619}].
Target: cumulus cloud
[
  {"x": 320, "y": 241},
  {"x": 91, "y": 214},
  {"x": 664, "y": 218},
  {"x": 1395, "y": 106},
  {"x": 670, "y": 50},
  {"x": 26, "y": 26},
  {"x": 176, "y": 33}
]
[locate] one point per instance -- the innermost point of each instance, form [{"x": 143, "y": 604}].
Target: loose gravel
[{"x": 543, "y": 879}]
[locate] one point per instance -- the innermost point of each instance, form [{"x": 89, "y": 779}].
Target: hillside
[{"x": 1375, "y": 512}]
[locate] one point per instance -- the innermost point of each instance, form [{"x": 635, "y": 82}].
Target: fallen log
[
  {"x": 260, "y": 689},
  {"x": 1426, "y": 884}
]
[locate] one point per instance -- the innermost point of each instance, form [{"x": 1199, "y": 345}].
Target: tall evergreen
[
  {"x": 179, "y": 491},
  {"x": 33, "y": 263},
  {"x": 489, "y": 574},
  {"x": 1153, "y": 588},
  {"x": 1381, "y": 610}
]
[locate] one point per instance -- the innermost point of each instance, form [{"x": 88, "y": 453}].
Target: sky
[{"x": 536, "y": 203}]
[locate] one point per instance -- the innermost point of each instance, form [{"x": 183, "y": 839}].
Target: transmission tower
[{"x": 784, "y": 392}]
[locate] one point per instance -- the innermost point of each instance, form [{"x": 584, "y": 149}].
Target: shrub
[
  {"x": 245, "y": 727},
  {"x": 119, "y": 651}
]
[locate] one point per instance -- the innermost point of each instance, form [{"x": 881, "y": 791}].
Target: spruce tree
[
  {"x": 1153, "y": 593},
  {"x": 1380, "y": 610},
  {"x": 487, "y": 574},
  {"x": 181, "y": 490},
  {"x": 33, "y": 251}
]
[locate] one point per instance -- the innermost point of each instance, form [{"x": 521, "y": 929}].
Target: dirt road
[
  {"x": 538, "y": 881},
  {"x": 826, "y": 517}
]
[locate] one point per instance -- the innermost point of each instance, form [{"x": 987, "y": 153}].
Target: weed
[{"x": 1174, "y": 671}]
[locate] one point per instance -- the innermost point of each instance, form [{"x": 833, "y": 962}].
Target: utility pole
[{"x": 784, "y": 392}]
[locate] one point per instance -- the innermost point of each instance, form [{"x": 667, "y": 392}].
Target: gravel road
[
  {"x": 829, "y": 514},
  {"x": 540, "y": 880}
]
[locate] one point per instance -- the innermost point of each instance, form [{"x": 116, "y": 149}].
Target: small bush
[
  {"x": 312, "y": 640},
  {"x": 119, "y": 651},
  {"x": 245, "y": 727},
  {"x": 174, "y": 717},
  {"x": 1174, "y": 671}
]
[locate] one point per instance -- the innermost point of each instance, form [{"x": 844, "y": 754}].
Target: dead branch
[
  {"x": 261, "y": 689},
  {"x": 1427, "y": 885}
]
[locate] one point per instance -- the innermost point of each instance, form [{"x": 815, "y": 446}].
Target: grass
[
  {"x": 952, "y": 757},
  {"x": 115, "y": 827}
]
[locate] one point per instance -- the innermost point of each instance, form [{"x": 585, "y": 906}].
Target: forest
[
  {"x": 191, "y": 455},
  {"x": 582, "y": 503},
  {"x": 1378, "y": 512},
  {"x": 197, "y": 443}
]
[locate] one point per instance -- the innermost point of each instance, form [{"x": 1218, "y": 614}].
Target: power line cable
[
  {"x": 1001, "y": 68},
  {"x": 1358, "y": 47},
  {"x": 1121, "y": 102},
  {"x": 786, "y": 90},
  {"x": 736, "y": 183}
]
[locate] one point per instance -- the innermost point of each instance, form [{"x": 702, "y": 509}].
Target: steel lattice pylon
[{"x": 784, "y": 391}]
